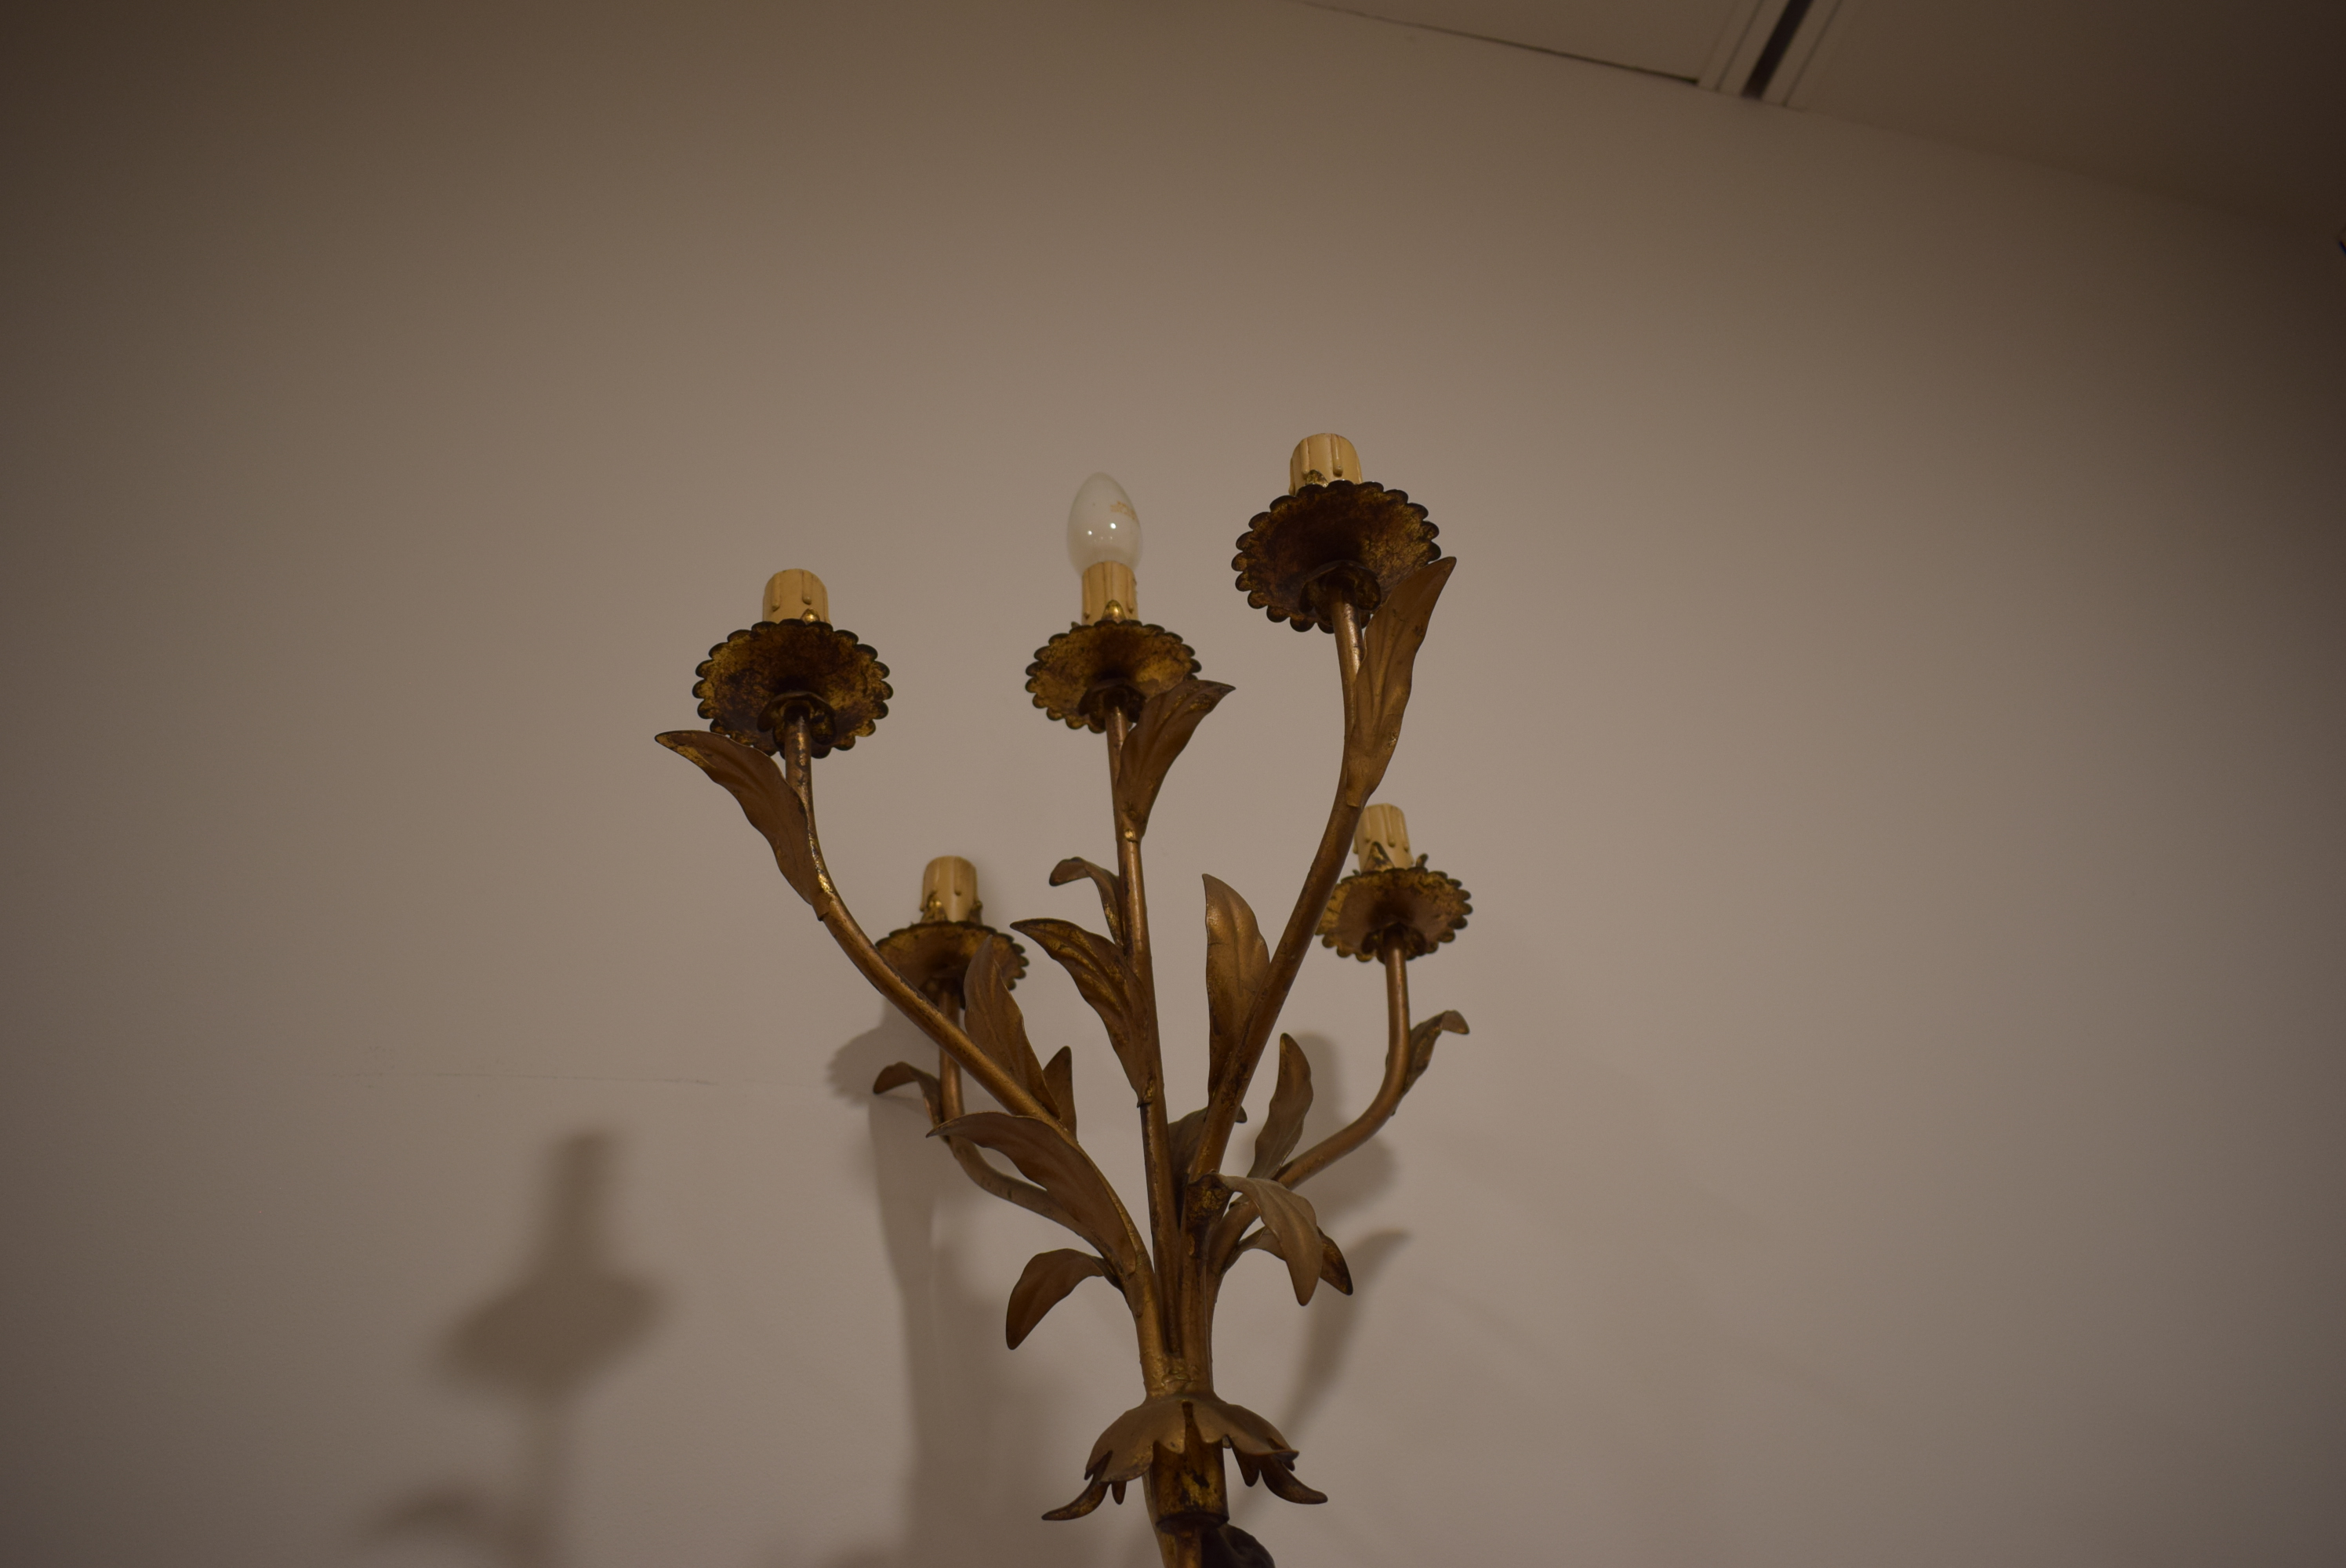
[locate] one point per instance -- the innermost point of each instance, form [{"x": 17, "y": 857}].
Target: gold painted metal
[
  {"x": 1406, "y": 906},
  {"x": 1355, "y": 559},
  {"x": 753, "y": 679},
  {"x": 1330, "y": 544},
  {"x": 1086, "y": 671},
  {"x": 934, "y": 956}
]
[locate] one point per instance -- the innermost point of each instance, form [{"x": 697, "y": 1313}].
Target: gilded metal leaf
[
  {"x": 1111, "y": 890},
  {"x": 1237, "y": 963},
  {"x": 1388, "y": 659},
  {"x": 1288, "y": 1215},
  {"x": 1047, "y": 1279},
  {"x": 1058, "y": 1165},
  {"x": 1059, "y": 1085},
  {"x": 1332, "y": 1267},
  {"x": 751, "y": 777},
  {"x": 1422, "y": 1037},
  {"x": 1092, "y": 1497},
  {"x": 1280, "y": 1478},
  {"x": 1102, "y": 977},
  {"x": 1187, "y": 1132},
  {"x": 995, "y": 1025},
  {"x": 1167, "y": 722},
  {"x": 1290, "y": 1099},
  {"x": 1125, "y": 1450}
]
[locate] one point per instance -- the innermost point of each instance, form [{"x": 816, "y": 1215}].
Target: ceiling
[{"x": 2240, "y": 105}]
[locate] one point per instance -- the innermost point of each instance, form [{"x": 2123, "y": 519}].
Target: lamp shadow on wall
[
  {"x": 979, "y": 1474},
  {"x": 538, "y": 1344}
]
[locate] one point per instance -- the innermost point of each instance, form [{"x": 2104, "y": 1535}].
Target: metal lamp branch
[{"x": 1337, "y": 554}]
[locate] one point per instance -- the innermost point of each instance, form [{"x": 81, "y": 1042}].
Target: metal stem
[
  {"x": 1147, "y": 1308},
  {"x": 1364, "y": 1126},
  {"x": 1230, "y": 1229},
  {"x": 831, "y": 910},
  {"x": 1319, "y": 882},
  {"x": 1156, "y": 1134}
]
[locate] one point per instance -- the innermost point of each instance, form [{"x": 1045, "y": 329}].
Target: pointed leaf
[
  {"x": 896, "y": 1074},
  {"x": 1237, "y": 963},
  {"x": 1288, "y": 1217},
  {"x": 1290, "y": 1100},
  {"x": 1388, "y": 657},
  {"x": 1186, "y": 1132},
  {"x": 1048, "y": 1278},
  {"x": 1059, "y": 1081},
  {"x": 1332, "y": 1267},
  {"x": 995, "y": 1025},
  {"x": 1279, "y": 1478},
  {"x": 1096, "y": 966},
  {"x": 1053, "y": 1162},
  {"x": 1090, "y": 1498},
  {"x": 1167, "y": 722},
  {"x": 1111, "y": 890},
  {"x": 1422, "y": 1037},
  {"x": 752, "y": 777}
]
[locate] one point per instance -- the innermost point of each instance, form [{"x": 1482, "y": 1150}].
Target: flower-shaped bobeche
[
  {"x": 1409, "y": 907},
  {"x": 1083, "y": 672},
  {"x": 1325, "y": 543},
  {"x": 752, "y": 679},
  {"x": 934, "y": 956},
  {"x": 1173, "y": 1422}
]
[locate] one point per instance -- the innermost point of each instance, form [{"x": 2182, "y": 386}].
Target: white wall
[{"x": 1888, "y": 714}]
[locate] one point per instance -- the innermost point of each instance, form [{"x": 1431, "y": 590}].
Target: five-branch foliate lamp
[{"x": 1336, "y": 554}]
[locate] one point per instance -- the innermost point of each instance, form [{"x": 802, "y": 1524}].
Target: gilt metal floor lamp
[{"x": 1336, "y": 554}]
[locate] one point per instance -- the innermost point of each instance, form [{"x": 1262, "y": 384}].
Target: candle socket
[
  {"x": 1321, "y": 460},
  {"x": 949, "y": 891},
  {"x": 1382, "y": 842},
  {"x": 1110, "y": 593},
  {"x": 795, "y": 595}
]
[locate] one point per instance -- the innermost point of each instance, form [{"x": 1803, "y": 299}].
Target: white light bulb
[{"x": 1102, "y": 525}]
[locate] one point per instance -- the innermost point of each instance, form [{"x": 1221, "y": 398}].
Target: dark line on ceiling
[
  {"x": 1510, "y": 43},
  {"x": 1772, "y": 55}
]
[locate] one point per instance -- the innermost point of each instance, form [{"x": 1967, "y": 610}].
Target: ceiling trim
[
  {"x": 1740, "y": 42},
  {"x": 1512, "y": 43}
]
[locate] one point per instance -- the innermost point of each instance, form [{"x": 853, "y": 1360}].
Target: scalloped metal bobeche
[
  {"x": 934, "y": 956},
  {"x": 751, "y": 677},
  {"x": 1079, "y": 675},
  {"x": 1411, "y": 905},
  {"x": 1343, "y": 540}
]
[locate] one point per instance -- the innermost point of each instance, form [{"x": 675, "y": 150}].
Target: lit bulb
[{"x": 1102, "y": 525}]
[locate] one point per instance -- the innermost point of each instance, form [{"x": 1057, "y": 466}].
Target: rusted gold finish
[
  {"x": 934, "y": 955},
  {"x": 1355, "y": 558},
  {"x": 1342, "y": 541},
  {"x": 1085, "y": 672},
  {"x": 1408, "y": 907},
  {"x": 752, "y": 679}
]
